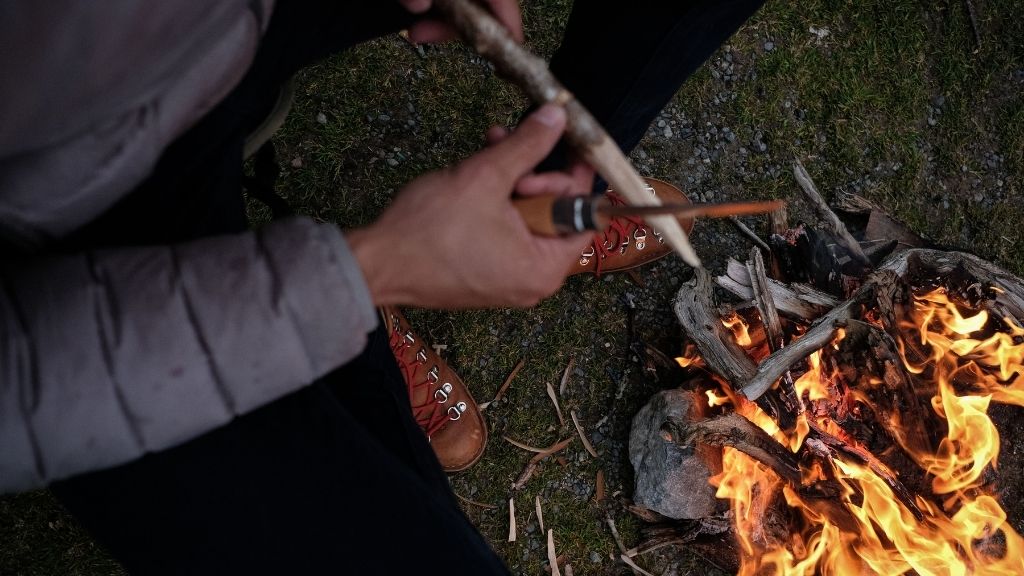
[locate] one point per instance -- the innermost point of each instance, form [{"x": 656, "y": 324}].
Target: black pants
[{"x": 338, "y": 478}]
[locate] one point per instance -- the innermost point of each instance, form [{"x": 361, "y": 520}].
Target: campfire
[{"x": 850, "y": 434}]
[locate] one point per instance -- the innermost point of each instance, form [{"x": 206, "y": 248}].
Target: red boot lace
[
  {"x": 620, "y": 227},
  {"x": 429, "y": 415}
]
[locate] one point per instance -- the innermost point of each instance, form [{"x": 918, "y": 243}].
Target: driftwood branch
[
  {"x": 742, "y": 434},
  {"x": 492, "y": 41},
  {"x": 796, "y": 300},
  {"x": 830, "y": 221},
  {"x": 693, "y": 306}
]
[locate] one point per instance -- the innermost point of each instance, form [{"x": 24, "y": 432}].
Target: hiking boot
[
  {"x": 441, "y": 404},
  {"x": 628, "y": 241}
]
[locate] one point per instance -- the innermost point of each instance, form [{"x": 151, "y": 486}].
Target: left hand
[{"x": 429, "y": 31}]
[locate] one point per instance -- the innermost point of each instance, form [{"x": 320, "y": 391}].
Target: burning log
[{"x": 867, "y": 442}]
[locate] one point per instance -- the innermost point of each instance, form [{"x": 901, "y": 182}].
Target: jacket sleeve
[{"x": 107, "y": 355}]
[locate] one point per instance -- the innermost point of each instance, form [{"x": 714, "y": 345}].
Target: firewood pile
[{"x": 835, "y": 416}]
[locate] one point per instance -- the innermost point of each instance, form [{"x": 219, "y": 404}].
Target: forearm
[{"x": 109, "y": 355}]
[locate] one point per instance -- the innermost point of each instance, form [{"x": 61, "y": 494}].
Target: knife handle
[{"x": 551, "y": 215}]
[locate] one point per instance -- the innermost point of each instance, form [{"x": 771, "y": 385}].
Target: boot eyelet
[
  {"x": 434, "y": 374},
  {"x": 442, "y": 393},
  {"x": 421, "y": 356},
  {"x": 455, "y": 412}
]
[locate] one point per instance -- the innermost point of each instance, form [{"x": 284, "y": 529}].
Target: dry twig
[
  {"x": 583, "y": 436},
  {"x": 830, "y": 221},
  {"x": 505, "y": 384},
  {"x": 749, "y": 233}
]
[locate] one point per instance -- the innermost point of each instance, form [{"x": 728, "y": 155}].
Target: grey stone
[
  {"x": 670, "y": 480},
  {"x": 769, "y": 46},
  {"x": 595, "y": 558}
]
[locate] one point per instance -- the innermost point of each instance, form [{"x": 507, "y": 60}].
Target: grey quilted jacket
[{"x": 107, "y": 355}]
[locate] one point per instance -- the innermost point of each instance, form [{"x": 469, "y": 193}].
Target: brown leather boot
[
  {"x": 629, "y": 242},
  {"x": 441, "y": 403}
]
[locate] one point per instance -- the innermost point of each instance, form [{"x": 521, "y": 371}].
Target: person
[{"x": 207, "y": 398}]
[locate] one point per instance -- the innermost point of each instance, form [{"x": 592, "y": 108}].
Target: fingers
[
  {"x": 517, "y": 154},
  {"x": 433, "y": 31},
  {"x": 507, "y": 12},
  {"x": 496, "y": 134},
  {"x": 557, "y": 183}
]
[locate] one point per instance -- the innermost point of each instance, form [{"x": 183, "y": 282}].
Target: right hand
[
  {"x": 429, "y": 31},
  {"x": 453, "y": 239}
]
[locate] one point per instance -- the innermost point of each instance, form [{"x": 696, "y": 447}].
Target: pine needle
[
  {"x": 552, "y": 556},
  {"x": 583, "y": 436},
  {"x": 554, "y": 400},
  {"x": 511, "y": 520}
]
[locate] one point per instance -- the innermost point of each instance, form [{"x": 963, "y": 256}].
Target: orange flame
[{"x": 971, "y": 362}]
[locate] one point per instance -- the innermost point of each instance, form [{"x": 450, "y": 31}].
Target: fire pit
[{"x": 849, "y": 436}]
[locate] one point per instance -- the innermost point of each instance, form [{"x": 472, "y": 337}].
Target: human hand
[
  {"x": 453, "y": 239},
  {"x": 429, "y": 31}
]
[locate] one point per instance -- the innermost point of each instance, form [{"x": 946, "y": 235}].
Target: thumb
[{"x": 531, "y": 142}]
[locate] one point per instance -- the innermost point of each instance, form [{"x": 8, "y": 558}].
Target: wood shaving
[
  {"x": 511, "y": 520},
  {"x": 526, "y": 447},
  {"x": 599, "y": 487},
  {"x": 532, "y": 465},
  {"x": 565, "y": 377},
  {"x": 554, "y": 400},
  {"x": 540, "y": 513},
  {"x": 583, "y": 436},
  {"x": 552, "y": 557}
]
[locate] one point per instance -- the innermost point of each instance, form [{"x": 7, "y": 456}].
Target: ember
[{"x": 961, "y": 360}]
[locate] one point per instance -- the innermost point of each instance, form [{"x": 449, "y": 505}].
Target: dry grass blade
[
  {"x": 552, "y": 557},
  {"x": 526, "y": 447},
  {"x": 475, "y": 503},
  {"x": 505, "y": 384},
  {"x": 565, "y": 376},
  {"x": 583, "y": 436},
  {"x": 532, "y": 465},
  {"x": 540, "y": 513},
  {"x": 511, "y": 520},
  {"x": 599, "y": 489},
  {"x": 554, "y": 400},
  {"x": 629, "y": 562}
]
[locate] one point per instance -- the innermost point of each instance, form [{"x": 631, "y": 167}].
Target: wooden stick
[
  {"x": 749, "y": 233},
  {"x": 830, "y": 221},
  {"x": 505, "y": 384},
  {"x": 511, "y": 519},
  {"x": 492, "y": 41}
]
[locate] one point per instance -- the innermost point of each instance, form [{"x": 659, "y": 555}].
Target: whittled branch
[
  {"x": 489, "y": 38},
  {"x": 830, "y": 221}
]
